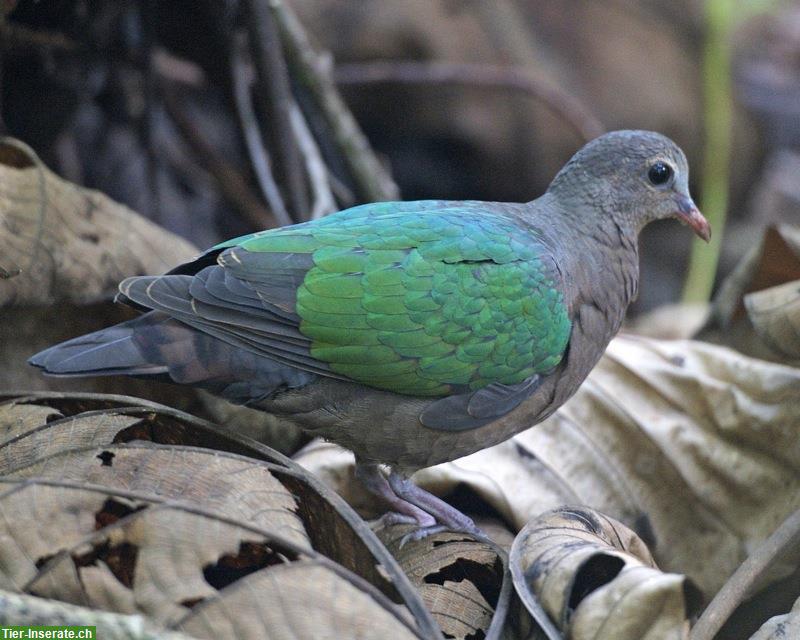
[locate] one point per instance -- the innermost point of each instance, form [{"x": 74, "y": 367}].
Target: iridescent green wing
[{"x": 424, "y": 298}]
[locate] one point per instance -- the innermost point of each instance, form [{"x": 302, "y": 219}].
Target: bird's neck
[{"x": 601, "y": 254}]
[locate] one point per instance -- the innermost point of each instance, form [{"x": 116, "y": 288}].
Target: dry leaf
[
  {"x": 691, "y": 445},
  {"x": 298, "y": 600},
  {"x": 112, "y": 504},
  {"x": 69, "y": 246},
  {"x": 70, "y": 243},
  {"x": 232, "y": 486},
  {"x": 775, "y": 315},
  {"x": 679, "y": 321},
  {"x": 596, "y": 579},
  {"x": 460, "y": 579}
]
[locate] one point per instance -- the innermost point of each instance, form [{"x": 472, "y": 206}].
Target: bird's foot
[
  {"x": 447, "y": 517},
  {"x": 413, "y": 505}
]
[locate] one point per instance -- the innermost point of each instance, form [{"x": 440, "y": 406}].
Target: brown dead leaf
[
  {"x": 26, "y": 544},
  {"x": 775, "y": 316},
  {"x": 460, "y": 579},
  {"x": 596, "y": 579},
  {"x": 300, "y": 600},
  {"x": 16, "y": 420},
  {"x": 152, "y": 560},
  {"x": 233, "y": 486},
  {"x": 69, "y": 243},
  {"x": 143, "y": 517},
  {"x": 68, "y": 246}
]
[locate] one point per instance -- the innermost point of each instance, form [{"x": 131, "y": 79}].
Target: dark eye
[{"x": 659, "y": 173}]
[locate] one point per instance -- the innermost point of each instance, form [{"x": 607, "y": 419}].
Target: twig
[
  {"x": 232, "y": 185},
  {"x": 18, "y": 37},
  {"x": 572, "y": 110},
  {"x": 372, "y": 179},
  {"x": 177, "y": 70},
  {"x": 784, "y": 541},
  {"x": 341, "y": 191},
  {"x": 259, "y": 157},
  {"x": 272, "y": 82},
  {"x": 318, "y": 175}
]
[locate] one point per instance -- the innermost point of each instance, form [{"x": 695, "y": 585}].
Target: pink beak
[{"x": 688, "y": 213}]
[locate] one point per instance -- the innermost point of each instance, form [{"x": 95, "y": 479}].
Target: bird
[{"x": 412, "y": 333}]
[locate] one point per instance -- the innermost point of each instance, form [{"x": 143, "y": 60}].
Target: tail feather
[
  {"x": 156, "y": 344},
  {"x": 111, "y": 351}
]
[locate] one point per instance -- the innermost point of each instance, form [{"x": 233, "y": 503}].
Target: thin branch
[
  {"x": 371, "y": 177},
  {"x": 318, "y": 175},
  {"x": 177, "y": 70},
  {"x": 341, "y": 191},
  {"x": 230, "y": 182},
  {"x": 563, "y": 104},
  {"x": 272, "y": 82},
  {"x": 20, "y": 38},
  {"x": 259, "y": 157},
  {"x": 784, "y": 542}
]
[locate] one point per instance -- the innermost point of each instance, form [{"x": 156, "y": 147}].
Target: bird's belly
[{"x": 380, "y": 426}]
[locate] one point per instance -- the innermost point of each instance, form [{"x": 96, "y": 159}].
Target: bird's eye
[{"x": 659, "y": 173}]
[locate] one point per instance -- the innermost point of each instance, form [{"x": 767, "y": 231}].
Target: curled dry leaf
[
  {"x": 118, "y": 504},
  {"x": 596, "y": 579},
  {"x": 463, "y": 581},
  {"x": 70, "y": 243}
]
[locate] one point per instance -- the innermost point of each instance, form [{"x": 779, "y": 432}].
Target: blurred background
[{"x": 214, "y": 118}]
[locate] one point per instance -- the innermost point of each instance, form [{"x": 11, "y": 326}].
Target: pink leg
[
  {"x": 403, "y": 512},
  {"x": 413, "y": 505}
]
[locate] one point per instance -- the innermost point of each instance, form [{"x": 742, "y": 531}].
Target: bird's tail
[
  {"x": 124, "y": 349},
  {"x": 155, "y": 345}
]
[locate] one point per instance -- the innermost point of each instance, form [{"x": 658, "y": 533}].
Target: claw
[
  {"x": 421, "y": 533},
  {"x": 393, "y": 517}
]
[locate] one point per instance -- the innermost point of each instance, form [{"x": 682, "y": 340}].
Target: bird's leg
[
  {"x": 404, "y": 512},
  {"x": 448, "y": 517}
]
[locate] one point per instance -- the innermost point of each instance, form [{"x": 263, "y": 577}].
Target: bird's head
[{"x": 633, "y": 176}]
